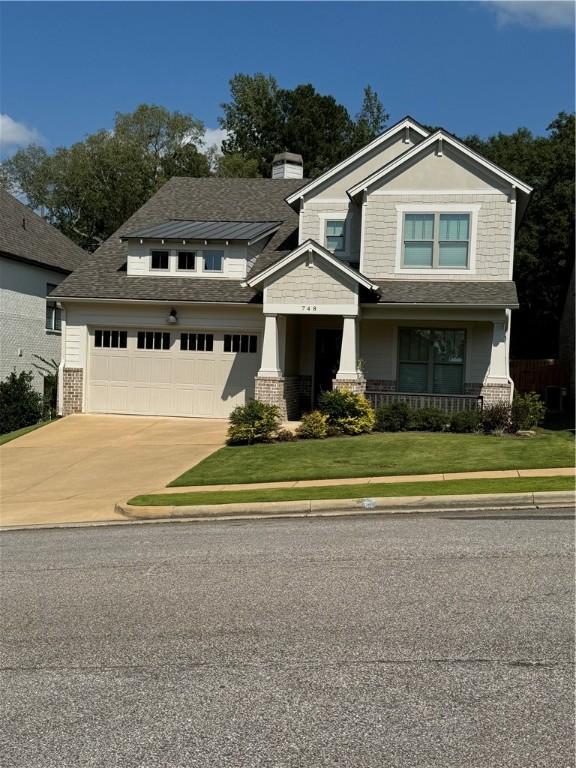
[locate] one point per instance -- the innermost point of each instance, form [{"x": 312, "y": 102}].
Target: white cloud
[
  {"x": 214, "y": 136},
  {"x": 14, "y": 134},
  {"x": 535, "y": 13}
]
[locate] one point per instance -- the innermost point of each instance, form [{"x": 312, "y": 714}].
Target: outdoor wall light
[{"x": 172, "y": 317}]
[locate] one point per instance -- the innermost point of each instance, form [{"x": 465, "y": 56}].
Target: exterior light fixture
[{"x": 172, "y": 317}]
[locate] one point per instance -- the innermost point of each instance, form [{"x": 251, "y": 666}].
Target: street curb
[{"x": 378, "y": 505}]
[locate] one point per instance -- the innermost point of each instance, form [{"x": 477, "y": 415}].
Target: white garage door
[{"x": 171, "y": 373}]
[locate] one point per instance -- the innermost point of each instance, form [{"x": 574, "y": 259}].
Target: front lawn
[
  {"x": 8, "y": 436},
  {"x": 403, "y": 453},
  {"x": 427, "y": 488}
]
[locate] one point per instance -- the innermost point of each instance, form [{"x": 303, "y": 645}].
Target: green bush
[
  {"x": 528, "y": 411},
  {"x": 348, "y": 413},
  {"x": 255, "y": 422},
  {"x": 314, "y": 426},
  {"x": 396, "y": 417},
  {"x": 429, "y": 420},
  {"x": 285, "y": 436},
  {"x": 20, "y": 404},
  {"x": 497, "y": 418},
  {"x": 466, "y": 421}
]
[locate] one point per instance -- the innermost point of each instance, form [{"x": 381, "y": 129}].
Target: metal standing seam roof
[{"x": 178, "y": 229}]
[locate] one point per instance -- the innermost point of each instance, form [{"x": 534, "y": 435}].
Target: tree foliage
[{"x": 89, "y": 189}]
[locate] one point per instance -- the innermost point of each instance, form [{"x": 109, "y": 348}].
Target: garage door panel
[{"x": 170, "y": 382}]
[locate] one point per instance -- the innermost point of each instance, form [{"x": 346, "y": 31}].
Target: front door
[{"x": 327, "y": 360}]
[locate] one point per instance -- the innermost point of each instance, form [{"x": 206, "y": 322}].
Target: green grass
[
  {"x": 426, "y": 488},
  {"x": 406, "y": 453},
  {"x": 8, "y": 436}
]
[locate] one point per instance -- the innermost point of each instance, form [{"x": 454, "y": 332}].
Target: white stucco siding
[
  {"x": 320, "y": 284},
  {"x": 23, "y": 331},
  {"x": 493, "y": 234},
  {"x": 235, "y": 263}
]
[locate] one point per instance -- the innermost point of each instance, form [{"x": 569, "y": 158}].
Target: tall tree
[
  {"x": 89, "y": 189},
  {"x": 372, "y": 118}
]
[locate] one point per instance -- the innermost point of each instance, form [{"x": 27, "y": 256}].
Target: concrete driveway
[{"x": 77, "y": 468}]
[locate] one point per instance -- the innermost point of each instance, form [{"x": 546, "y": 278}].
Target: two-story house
[
  {"x": 391, "y": 273},
  {"x": 34, "y": 258}
]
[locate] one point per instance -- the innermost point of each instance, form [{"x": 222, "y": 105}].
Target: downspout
[{"x": 62, "y": 362}]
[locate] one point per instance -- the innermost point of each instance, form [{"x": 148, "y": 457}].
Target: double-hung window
[
  {"x": 431, "y": 360},
  {"x": 213, "y": 261},
  {"x": 53, "y": 311},
  {"x": 436, "y": 241},
  {"x": 159, "y": 260},
  {"x": 335, "y": 235}
]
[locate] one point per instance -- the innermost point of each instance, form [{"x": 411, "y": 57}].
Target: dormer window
[
  {"x": 335, "y": 235},
  {"x": 213, "y": 261},
  {"x": 186, "y": 261},
  {"x": 159, "y": 260}
]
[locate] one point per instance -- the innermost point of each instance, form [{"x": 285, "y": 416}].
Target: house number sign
[{"x": 308, "y": 308}]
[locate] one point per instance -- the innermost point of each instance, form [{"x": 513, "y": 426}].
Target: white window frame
[
  {"x": 54, "y": 309},
  {"x": 197, "y": 253},
  {"x": 205, "y": 271},
  {"x": 325, "y": 217},
  {"x": 470, "y": 208},
  {"x": 160, "y": 269}
]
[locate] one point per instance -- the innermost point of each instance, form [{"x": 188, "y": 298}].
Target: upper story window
[
  {"x": 335, "y": 235},
  {"x": 213, "y": 261},
  {"x": 53, "y": 311},
  {"x": 159, "y": 259},
  {"x": 186, "y": 260},
  {"x": 436, "y": 240}
]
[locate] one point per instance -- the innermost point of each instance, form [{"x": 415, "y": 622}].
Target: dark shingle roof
[
  {"x": 26, "y": 236},
  {"x": 177, "y": 229},
  {"x": 448, "y": 292},
  {"x": 241, "y": 200}
]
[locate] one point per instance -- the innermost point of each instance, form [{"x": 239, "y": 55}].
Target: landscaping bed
[{"x": 372, "y": 455}]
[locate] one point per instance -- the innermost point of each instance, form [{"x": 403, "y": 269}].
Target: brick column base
[
  {"x": 495, "y": 393},
  {"x": 358, "y": 386},
  {"x": 285, "y": 392},
  {"x": 72, "y": 380}
]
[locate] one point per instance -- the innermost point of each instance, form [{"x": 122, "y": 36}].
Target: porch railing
[{"x": 448, "y": 403}]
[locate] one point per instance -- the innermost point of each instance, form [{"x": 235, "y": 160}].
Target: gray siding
[
  {"x": 23, "y": 318},
  {"x": 319, "y": 284}
]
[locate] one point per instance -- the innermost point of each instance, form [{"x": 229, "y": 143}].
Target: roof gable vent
[{"x": 287, "y": 165}]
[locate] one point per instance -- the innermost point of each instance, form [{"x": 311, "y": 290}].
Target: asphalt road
[{"x": 404, "y": 641}]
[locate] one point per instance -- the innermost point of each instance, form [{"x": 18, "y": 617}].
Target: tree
[
  {"x": 372, "y": 118},
  {"x": 89, "y": 189},
  {"x": 236, "y": 166}
]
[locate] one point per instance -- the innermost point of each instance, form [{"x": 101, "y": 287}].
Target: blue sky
[{"x": 477, "y": 67}]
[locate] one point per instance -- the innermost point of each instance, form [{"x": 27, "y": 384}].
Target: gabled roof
[
  {"x": 446, "y": 137},
  {"x": 103, "y": 274},
  {"x": 406, "y": 122},
  {"x": 180, "y": 229},
  {"x": 25, "y": 236},
  {"x": 314, "y": 247}
]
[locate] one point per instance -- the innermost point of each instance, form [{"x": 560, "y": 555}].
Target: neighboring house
[
  {"x": 391, "y": 273},
  {"x": 34, "y": 258}
]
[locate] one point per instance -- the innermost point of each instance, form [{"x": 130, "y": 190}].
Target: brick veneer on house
[{"x": 72, "y": 381}]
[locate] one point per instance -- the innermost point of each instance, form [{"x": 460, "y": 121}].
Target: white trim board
[
  {"x": 426, "y": 144},
  {"x": 402, "y": 125}
]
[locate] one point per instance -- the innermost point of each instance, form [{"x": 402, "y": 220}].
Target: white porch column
[
  {"x": 273, "y": 347},
  {"x": 349, "y": 352},
  {"x": 498, "y": 372}
]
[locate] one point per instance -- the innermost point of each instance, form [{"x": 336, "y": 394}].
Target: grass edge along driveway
[
  {"x": 7, "y": 437},
  {"x": 424, "y": 488},
  {"x": 379, "y": 454}
]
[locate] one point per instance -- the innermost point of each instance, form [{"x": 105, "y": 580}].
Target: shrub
[
  {"x": 528, "y": 411},
  {"x": 497, "y": 418},
  {"x": 396, "y": 417},
  {"x": 20, "y": 404},
  {"x": 255, "y": 422},
  {"x": 314, "y": 426},
  {"x": 347, "y": 412},
  {"x": 466, "y": 421},
  {"x": 429, "y": 420},
  {"x": 285, "y": 436},
  {"x": 48, "y": 369}
]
